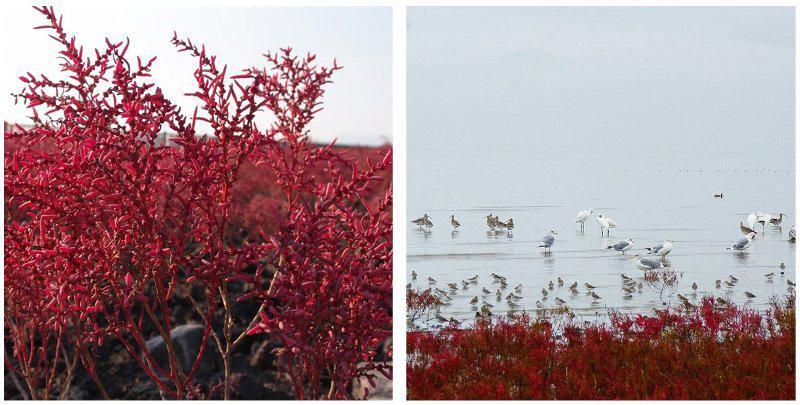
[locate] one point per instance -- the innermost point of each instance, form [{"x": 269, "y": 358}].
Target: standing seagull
[
  {"x": 622, "y": 246},
  {"x": 606, "y": 224},
  {"x": 420, "y": 221},
  {"x": 453, "y": 222},
  {"x": 582, "y": 217},
  {"x": 662, "y": 249},
  {"x": 743, "y": 243},
  {"x": 643, "y": 263},
  {"x": 548, "y": 241}
]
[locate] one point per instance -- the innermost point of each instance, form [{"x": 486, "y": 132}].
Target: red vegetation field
[
  {"x": 275, "y": 251},
  {"x": 710, "y": 353}
]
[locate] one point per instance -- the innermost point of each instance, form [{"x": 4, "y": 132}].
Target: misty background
[{"x": 601, "y": 78}]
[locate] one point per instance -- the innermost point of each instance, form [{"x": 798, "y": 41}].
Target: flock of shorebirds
[{"x": 629, "y": 285}]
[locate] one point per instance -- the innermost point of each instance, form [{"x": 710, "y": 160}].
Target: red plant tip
[{"x": 128, "y": 279}]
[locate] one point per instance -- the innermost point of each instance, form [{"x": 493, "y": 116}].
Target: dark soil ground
[{"x": 255, "y": 372}]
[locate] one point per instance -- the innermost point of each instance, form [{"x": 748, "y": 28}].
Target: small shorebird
[
  {"x": 453, "y": 286},
  {"x": 694, "y": 287},
  {"x": 718, "y": 195},
  {"x": 606, "y": 224},
  {"x": 589, "y": 286},
  {"x": 548, "y": 241},
  {"x": 718, "y": 283},
  {"x": 420, "y": 221},
  {"x": 769, "y": 275},
  {"x": 560, "y": 281},
  {"x": 782, "y": 266},
  {"x": 510, "y": 225},
  {"x": 490, "y": 222},
  {"x": 583, "y": 216},
  {"x": 559, "y": 301},
  {"x": 413, "y": 275},
  {"x": 428, "y": 224},
  {"x": 790, "y": 282},
  {"x": 734, "y": 279},
  {"x": 550, "y": 285},
  {"x": 474, "y": 300},
  {"x": 595, "y": 296},
  {"x": 662, "y": 249},
  {"x": 622, "y": 246},
  {"x": 544, "y": 292},
  {"x": 485, "y": 291},
  {"x": 792, "y": 237},
  {"x": 431, "y": 280},
  {"x": 743, "y": 243},
  {"x": 454, "y": 223},
  {"x": 749, "y": 295}
]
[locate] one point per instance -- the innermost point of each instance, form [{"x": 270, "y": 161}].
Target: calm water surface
[{"x": 652, "y": 195}]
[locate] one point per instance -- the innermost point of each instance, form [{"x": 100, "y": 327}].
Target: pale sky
[
  {"x": 358, "y": 105},
  {"x": 601, "y": 78}
]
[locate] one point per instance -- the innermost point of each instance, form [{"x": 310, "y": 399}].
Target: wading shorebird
[
  {"x": 548, "y": 241},
  {"x": 428, "y": 224},
  {"x": 510, "y": 225},
  {"x": 454, "y": 223},
  {"x": 745, "y": 230},
  {"x": 622, "y": 246},
  {"x": 606, "y": 224},
  {"x": 662, "y": 249},
  {"x": 420, "y": 221},
  {"x": 582, "y": 217},
  {"x": 490, "y": 222},
  {"x": 777, "y": 219},
  {"x": 643, "y": 263},
  {"x": 749, "y": 295},
  {"x": 744, "y": 243}
]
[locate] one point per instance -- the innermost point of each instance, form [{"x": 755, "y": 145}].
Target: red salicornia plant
[
  {"x": 709, "y": 352},
  {"x": 106, "y": 227}
]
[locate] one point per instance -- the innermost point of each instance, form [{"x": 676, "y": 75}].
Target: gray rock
[
  {"x": 382, "y": 390},
  {"x": 186, "y": 341}
]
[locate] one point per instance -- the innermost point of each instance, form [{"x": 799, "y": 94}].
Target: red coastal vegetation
[
  {"x": 248, "y": 231},
  {"x": 712, "y": 352}
]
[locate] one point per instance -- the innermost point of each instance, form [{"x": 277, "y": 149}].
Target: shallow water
[{"x": 652, "y": 195}]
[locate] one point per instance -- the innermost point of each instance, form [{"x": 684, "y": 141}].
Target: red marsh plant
[
  {"x": 711, "y": 352},
  {"x": 105, "y": 227}
]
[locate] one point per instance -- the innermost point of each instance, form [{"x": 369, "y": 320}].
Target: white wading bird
[
  {"x": 582, "y": 217},
  {"x": 606, "y": 224}
]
